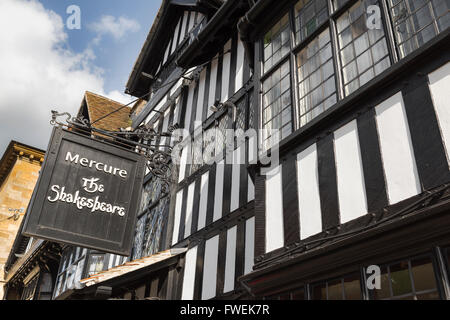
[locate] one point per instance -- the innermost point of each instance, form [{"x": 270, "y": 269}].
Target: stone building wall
[{"x": 15, "y": 194}]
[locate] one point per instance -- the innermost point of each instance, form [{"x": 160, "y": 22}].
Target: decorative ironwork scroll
[{"x": 142, "y": 140}]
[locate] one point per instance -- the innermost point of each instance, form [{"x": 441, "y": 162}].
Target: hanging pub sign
[{"x": 87, "y": 194}]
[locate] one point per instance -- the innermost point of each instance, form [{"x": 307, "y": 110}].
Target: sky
[{"x": 49, "y": 58}]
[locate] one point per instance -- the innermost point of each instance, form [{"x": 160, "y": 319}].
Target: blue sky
[
  {"x": 115, "y": 57},
  {"x": 46, "y": 66}
]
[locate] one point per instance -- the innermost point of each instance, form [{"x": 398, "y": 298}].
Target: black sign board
[{"x": 87, "y": 194}]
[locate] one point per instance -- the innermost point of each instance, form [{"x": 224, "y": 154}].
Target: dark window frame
[
  {"x": 439, "y": 258},
  {"x": 436, "y": 270},
  {"x": 333, "y": 14},
  {"x": 71, "y": 256}
]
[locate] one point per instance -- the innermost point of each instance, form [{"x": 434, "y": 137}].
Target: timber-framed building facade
[{"x": 357, "y": 93}]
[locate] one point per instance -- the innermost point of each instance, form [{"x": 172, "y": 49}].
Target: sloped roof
[
  {"x": 99, "y": 106},
  {"x": 204, "y": 46},
  {"x": 131, "y": 266},
  {"x": 153, "y": 46}
]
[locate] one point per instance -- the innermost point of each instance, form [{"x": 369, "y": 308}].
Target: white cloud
[
  {"x": 38, "y": 73},
  {"x": 115, "y": 27}
]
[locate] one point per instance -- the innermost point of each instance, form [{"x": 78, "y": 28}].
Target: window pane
[
  {"x": 95, "y": 264},
  {"x": 145, "y": 198},
  {"x": 360, "y": 48},
  {"x": 309, "y": 15},
  {"x": 241, "y": 113},
  {"x": 352, "y": 288},
  {"x": 277, "y": 113},
  {"x": 276, "y": 43},
  {"x": 400, "y": 278},
  {"x": 384, "y": 291},
  {"x": 416, "y": 22},
  {"x": 338, "y": 3},
  {"x": 58, "y": 285},
  {"x": 138, "y": 237},
  {"x": 222, "y": 126},
  {"x": 335, "y": 290},
  {"x": 344, "y": 288},
  {"x": 153, "y": 228},
  {"x": 298, "y": 294},
  {"x": 316, "y": 82},
  {"x": 319, "y": 292},
  {"x": 286, "y": 296},
  {"x": 411, "y": 279},
  {"x": 428, "y": 296},
  {"x": 423, "y": 274},
  {"x": 197, "y": 153}
]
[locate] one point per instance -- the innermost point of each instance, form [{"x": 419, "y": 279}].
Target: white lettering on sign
[
  {"x": 93, "y": 204},
  {"x": 99, "y": 166},
  {"x": 91, "y": 185}
]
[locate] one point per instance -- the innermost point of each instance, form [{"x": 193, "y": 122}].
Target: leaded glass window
[
  {"x": 209, "y": 145},
  {"x": 418, "y": 21},
  {"x": 326, "y": 54},
  {"x": 139, "y": 237},
  {"x": 221, "y": 127},
  {"x": 155, "y": 220},
  {"x": 251, "y": 111},
  {"x": 364, "y": 53},
  {"x": 309, "y": 15},
  {"x": 345, "y": 288},
  {"x": 241, "y": 105},
  {"x": 339, "y": 3},
  {"x": 316, "y": 80},
  {"x": 146, "y": 232},
  {"x": 412, "y": 279},
  {"x": 96, "y": 262},
  {"x": 276, "y": 43},
  {"x": 145, "y": 198},
  {"x": 197, "y": 153},
  {"x": 276, "y": 105},
  {"x": 152, "y": 191},
  {"x": 71, "y": 269}
]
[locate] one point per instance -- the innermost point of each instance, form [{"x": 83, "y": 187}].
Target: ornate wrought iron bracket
[{"x": 143, "y": 140}]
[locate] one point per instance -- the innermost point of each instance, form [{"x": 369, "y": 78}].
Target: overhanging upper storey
[
  {"x": 174, "y": 22},
  {"x": 203, "y": 44}
]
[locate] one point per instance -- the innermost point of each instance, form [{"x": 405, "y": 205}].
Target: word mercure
[{"x": 99, "y": 166}]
